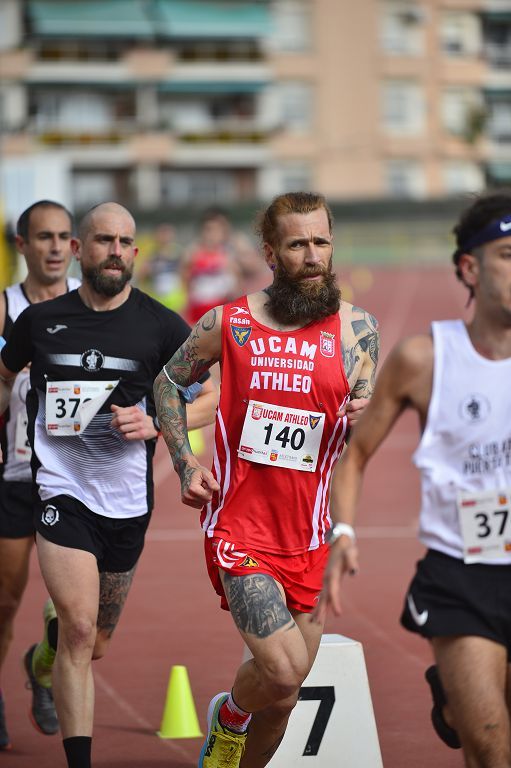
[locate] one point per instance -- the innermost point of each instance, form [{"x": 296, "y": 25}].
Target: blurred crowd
[{"x": 217, "y": 265}]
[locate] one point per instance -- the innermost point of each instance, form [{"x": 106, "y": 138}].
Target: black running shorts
[
  {"x": 448, "y": 597},
  {"x": 17, "y": 501},
  {"x": 115, "y": 543}
]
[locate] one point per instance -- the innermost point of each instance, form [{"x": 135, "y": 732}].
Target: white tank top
[
  {"x": 466, "y": 444},
  {"x": 17, "y": 462}
]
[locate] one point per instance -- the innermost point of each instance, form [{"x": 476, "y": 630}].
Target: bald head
[
  {"x": 90, "y": 220},
  {"x": 106, "y": 249}
]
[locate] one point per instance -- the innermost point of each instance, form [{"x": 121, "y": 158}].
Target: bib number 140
[{"x": 296, "y": 439}]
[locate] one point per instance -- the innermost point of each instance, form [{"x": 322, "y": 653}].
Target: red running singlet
[{"x": 276, "y": 509}]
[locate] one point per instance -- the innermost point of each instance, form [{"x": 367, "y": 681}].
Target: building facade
[{"x": 179, "y": 103}]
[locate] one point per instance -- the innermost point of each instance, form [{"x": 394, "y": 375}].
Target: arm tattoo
[
  {"x": 183, "y": 368},
  {"x": 113, "y": 591},
  {"x": 367, "y": 337},
  {"x": 171, "y": 411},
  {"x": 256, "y": 604},
  {"x": 209, "y": 320}
]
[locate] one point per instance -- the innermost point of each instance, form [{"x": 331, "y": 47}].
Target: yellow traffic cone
[{"x": 179, "y": 719}]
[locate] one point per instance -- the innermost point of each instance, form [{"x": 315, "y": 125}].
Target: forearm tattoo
[
  {"x": 256, "y": 604},
  {"x": 113, "y": 591},
  {"x": 183, "y": 368},
  {"x": 367, "y": 342}
]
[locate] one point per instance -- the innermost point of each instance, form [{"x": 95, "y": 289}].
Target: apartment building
[{"x": 178, "y": 103}]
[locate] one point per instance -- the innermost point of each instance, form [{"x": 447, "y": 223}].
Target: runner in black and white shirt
[
  {"x": 94, "y": 354},
  {"x": 43, "y": 236}
]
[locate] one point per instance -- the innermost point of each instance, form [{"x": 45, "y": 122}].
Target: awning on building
[
  {"x": 496, "y": 16},
  {"x": 497, "y": 94},
  {"x": 90, "y": 18},
  {"x": 198, "y": 19},
  {"x": 210, "y": 87},
  {"x": 499, "y": 171}
]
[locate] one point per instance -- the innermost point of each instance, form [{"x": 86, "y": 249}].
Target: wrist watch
[{"x": 338, "y": 530}]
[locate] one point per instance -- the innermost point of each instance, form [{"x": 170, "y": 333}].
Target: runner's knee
[
  {"x": 77, "y": 632},
  {"x": 283, "y": 677}
]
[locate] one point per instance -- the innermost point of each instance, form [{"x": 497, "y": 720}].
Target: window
[
  {"x": 460, "y": 33},
  {"x": 402, "y": 28},
  {"x": 291, "y": 25},
  {"x": 198, "y": 187},
  {"x": 295, "y": 177},
  {"x": 296, "y": 106},
  {"x": 461, "y": 176},
  {"x": 404, "y": 178},
  {"x": 403, "y": 107},
  {"x": 460, "y": 108},
  {"x": 278, "y": 178},
  {"x": 497, "y": 43},
  {"x": 499, "y": 121},
  {"x": 67, "y": 110},
  {"x": 89, "y": 187}
]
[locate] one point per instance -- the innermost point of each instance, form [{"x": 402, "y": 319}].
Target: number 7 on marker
[{"x": 326, "y": 696}]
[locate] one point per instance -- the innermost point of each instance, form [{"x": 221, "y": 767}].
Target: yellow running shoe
[
  {"x": 44, "y": 654},
  {"x": 223, "y": 748}
]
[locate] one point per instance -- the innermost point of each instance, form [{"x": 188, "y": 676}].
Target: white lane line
[{"x": 128, "y": 710}]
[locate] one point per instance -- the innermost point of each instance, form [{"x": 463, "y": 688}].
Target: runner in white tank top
[
  {"x": 458, "y": 381},
  {"x": 44, "y": 238}
]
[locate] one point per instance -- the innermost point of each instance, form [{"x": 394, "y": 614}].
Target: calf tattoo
[{"x": 256, "y": 604}]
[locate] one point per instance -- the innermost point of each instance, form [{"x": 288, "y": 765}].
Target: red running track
[{"x": 172, "y": 616}]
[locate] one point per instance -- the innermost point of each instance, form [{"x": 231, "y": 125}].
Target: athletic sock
[
  {"x": 233, "y": 717},
  {"x": 44, "y": 653},
  {"x": 78, "y": 751}
]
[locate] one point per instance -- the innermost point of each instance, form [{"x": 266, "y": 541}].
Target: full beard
[
  {"x": 107, "y": 285},
  {"x": 293, "y": 300}
]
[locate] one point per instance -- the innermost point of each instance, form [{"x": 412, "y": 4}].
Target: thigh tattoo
[
  {"x": 256, "y": 604},
  {"x": 113, "y": 591}
]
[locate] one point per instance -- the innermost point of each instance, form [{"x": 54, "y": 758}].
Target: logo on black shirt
[{"x": 92, "y": 360}]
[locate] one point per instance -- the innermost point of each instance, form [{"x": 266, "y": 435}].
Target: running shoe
[
  {"x": 42, "y": 713},
  {"x": 4, "y": 736},
  {"x": 223, "y": 748},
  {"x": 44, "y": 655}
]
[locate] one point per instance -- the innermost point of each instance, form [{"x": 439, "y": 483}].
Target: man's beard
[
  {"x": 107, "y": 285},
  {"x": 293, "y": 300}
]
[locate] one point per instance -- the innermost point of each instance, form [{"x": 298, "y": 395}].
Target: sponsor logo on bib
[{"x": 314, "y": 421}]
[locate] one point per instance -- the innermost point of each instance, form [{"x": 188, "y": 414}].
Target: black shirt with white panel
[{"x": 120, "y": 350}]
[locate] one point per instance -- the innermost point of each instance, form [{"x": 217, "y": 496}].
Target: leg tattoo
[
  {"x": 113, "y": 591},
  {"x": 256, "y": 604}
]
